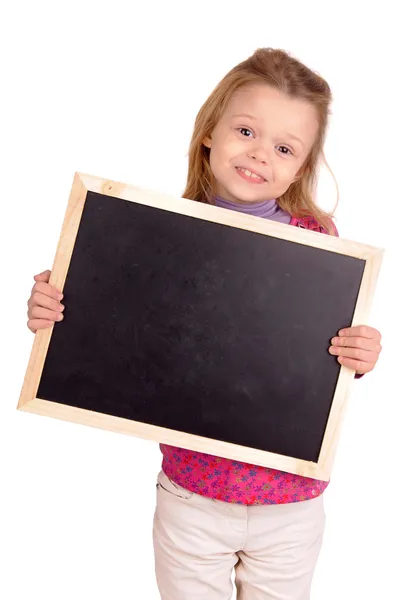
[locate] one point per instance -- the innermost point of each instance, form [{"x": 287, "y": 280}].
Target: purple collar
[{"x": 267, "y": 209}]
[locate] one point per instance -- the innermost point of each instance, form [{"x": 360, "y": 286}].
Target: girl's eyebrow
[
  {"x": 246, "y": 115},
  {"x": 290, "y": 135}
]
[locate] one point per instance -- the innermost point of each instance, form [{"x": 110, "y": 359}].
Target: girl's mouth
[{"x": 248, "y": 175}]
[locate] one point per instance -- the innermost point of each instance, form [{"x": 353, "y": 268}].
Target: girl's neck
[
  {"x": 263, "y": 208},
  {"x": 267, "y": 209}
]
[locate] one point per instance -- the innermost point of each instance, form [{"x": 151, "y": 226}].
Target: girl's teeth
[{"x": 250, "y": 174}]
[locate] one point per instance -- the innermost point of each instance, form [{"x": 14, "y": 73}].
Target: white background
[{"x": 112, "y": 89}]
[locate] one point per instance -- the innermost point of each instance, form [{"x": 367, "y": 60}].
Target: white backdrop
[{"x": 112, "y": 89}]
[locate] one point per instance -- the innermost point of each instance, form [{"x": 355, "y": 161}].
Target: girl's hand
[
  {"x": 44, "y": 307},
  {"x": 357, "y": 348}
]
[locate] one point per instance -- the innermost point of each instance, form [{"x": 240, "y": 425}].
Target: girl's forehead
[
  {"x": 262, "y": 96},
  {"x": 255, "y": 93}
]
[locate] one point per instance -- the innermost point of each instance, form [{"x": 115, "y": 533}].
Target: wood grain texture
[
  {"x": 344, "y": 384},
  {"x": 59, "y": 271}
]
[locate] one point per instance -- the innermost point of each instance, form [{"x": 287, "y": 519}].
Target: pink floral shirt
[{"x": 237, "y": 482}]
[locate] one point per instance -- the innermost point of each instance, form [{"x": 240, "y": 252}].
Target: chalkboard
[{"x": 210, "y": 329}]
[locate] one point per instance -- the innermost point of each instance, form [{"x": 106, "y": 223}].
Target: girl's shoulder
[{"x": 312, "y": 224}]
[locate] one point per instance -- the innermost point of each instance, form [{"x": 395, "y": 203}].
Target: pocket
[{"x": 166, "y": 485}]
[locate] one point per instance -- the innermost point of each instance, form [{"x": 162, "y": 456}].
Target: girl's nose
[{"x": 260, "y": 154}]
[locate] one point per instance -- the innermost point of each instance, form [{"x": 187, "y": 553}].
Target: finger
[
  {"x": 354, "y": 353},
  {"x": 37, "y": 312},
  {"x": 357, "y": 342},
  {"x": 43, "y": 286},
  {"x": 35, "y": 324},
  {"x": 356, "y": 365},
  {"x": 39, "y": 299},
  {"x": 45, "y": 276},
  {"x": 361, "y": 331},
  {"x": 46, "y": 288}
]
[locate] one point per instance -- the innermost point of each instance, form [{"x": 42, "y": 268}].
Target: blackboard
[{"x": 204, "y": 329}]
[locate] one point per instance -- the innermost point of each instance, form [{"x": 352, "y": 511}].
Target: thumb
[{"x": 45, "y": 276}]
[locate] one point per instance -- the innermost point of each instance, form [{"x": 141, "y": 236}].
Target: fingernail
[
  {"x": 59, "y": 317},
  {"x": 60, "y": 296},
  {"x": 61, "y": 307}
]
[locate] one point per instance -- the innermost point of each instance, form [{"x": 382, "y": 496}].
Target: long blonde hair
[{"x": 276, "y": 68}]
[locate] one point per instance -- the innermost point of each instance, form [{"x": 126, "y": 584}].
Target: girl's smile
[{"x": 250, "y": 176}]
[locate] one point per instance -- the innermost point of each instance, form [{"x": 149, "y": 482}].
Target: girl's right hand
[{"x": 44, "y": 307}]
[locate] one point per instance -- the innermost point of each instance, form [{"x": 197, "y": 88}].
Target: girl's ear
[{"x": 207, "y": 142}]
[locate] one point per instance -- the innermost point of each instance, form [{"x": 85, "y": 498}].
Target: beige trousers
[{"x": 199, "y": 541}]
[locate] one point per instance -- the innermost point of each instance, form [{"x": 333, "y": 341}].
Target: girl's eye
[
  {"x": 244, "y": 131},
  {"x": 285, "y": 148}
]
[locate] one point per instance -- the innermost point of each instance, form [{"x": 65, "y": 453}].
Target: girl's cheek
[
  {"x": 285, "y": 173},
  {"x": 236, "y": 147}
]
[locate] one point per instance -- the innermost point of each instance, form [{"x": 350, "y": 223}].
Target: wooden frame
[{"x": 31, "y": 403}]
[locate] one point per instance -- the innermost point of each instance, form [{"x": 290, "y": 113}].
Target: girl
[{"x": 256, "y": 147}]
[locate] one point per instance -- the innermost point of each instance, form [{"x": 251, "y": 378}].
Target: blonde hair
[{"x": 276, "y": 68}]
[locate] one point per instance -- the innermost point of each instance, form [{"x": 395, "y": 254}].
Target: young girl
[{"x": 256, "y": 147}]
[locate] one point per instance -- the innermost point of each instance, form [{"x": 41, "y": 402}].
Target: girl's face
[{"x": 260, "y": 143}]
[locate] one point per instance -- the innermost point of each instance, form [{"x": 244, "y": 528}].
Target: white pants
[{"x": 199, "y": 541}]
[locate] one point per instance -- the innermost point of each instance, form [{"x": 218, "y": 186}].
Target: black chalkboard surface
[{"x": 201, "y": 327}]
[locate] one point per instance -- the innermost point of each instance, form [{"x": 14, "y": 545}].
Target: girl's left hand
[{"x": 357, "y": 348}]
